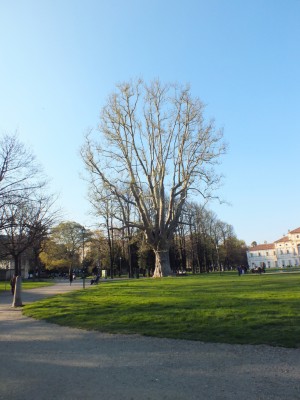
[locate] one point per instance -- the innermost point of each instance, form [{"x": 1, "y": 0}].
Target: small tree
[{"x": 27, "y": 223}]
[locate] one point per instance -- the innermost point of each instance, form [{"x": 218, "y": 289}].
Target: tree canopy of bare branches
[
  {"x": 20, "y": 174},
  {"x": 154, "y": 144}
]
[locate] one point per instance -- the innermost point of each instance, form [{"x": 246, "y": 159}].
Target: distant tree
[
  {"x": 254, "y": 243},
  {"x": 54, "y": 256},
  {"x": 97, "y": 252},
  {"x": 72, "y": 237},
  {"x": 199, "y": 222},
  {"x": 155, "y": 145},
  {"x": 111, "y": 219},
  {"x": 235, "y": 251}
]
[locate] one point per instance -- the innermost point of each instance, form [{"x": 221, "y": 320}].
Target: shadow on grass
[{"x": 224, "y": 310}]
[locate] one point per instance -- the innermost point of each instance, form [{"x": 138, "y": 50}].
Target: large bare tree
[
  {"x": 154, "y": 142},
  {"x": 25, "y": 209}
]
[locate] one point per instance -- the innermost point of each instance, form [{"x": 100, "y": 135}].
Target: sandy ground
[{"x": 44, "y": 361}]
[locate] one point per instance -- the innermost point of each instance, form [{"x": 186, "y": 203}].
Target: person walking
[
  {"x": 71, "y": 276},
  {"x": 13, "y": 284}
]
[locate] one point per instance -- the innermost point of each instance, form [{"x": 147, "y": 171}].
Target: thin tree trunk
[{"x": 17, "y": 300}]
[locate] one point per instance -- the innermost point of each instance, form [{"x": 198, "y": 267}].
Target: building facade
[
  {"x": 7, "y": 268},
  {"x": 284, "y": 252}
]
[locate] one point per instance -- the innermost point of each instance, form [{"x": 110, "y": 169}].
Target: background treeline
[{"x": 202, "y": 243}]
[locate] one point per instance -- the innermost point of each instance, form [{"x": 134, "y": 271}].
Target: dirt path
[{"x": 44, "y": 361}]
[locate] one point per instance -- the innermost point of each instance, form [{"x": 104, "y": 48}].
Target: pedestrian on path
[
  {"x": 13, "y": 284},
  {"x": 71, "y": 276}
]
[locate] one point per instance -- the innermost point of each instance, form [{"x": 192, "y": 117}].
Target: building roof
[
  {"x": 297, "y": 230},
  {"x": 269, "y": 246},
  {"x": 283, "y": 239},
  {"x": 266, "y": 246}
]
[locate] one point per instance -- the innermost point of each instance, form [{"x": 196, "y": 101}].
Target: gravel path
[{"x": 44, "y": 361}]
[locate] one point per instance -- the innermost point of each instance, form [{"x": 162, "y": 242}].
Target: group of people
[{"x": 242, "y": 270}]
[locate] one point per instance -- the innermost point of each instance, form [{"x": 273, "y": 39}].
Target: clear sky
[{"x": 59, "y": 60}]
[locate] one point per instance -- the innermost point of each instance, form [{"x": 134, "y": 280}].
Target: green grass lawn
[
  {"x": 26, "y": 284},
  {"x": 225, "y": 308}
]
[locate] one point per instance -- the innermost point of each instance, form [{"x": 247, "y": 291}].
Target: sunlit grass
[{"x": 212, "y": 308}]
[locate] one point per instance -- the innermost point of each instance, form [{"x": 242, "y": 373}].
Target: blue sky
[{"x": 59, "y": 60}]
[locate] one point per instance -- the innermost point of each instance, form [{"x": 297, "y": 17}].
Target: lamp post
[
  {"x": 6, "y": 269},
  {"x": 218, "y": 259},
  {"x": 83, "y": 266},
  {"x": 120, "y": 271}
]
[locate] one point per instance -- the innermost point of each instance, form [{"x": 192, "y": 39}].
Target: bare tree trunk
[
  {"x": 17, "y": 301},
  {"x": 162, "y": 264}
]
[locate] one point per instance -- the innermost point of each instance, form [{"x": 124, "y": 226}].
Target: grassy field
[
  {"x": 254, "y": 309},
  {"x": 25, "y": 285}
]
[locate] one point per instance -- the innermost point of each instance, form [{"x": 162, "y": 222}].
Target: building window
[
  {"x": 259, "y": 254},
  {"x": 267, "y": 253},
  {"x": 287, "y": 252},
  {"x": 269, "y": 264}
]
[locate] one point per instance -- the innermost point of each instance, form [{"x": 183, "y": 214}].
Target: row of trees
[
  {"x": 26, "y": 209},
  {"x": 201, "y": 243}
]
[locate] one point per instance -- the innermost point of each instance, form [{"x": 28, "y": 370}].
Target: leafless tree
[
  {"x": 27, "y": 223},
  {"x": 154, "y": 143}
]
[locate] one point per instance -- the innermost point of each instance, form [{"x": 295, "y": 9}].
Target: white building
[
  {"x": 262, "y": 255},
  {"x": 7, "y": 268},
  {"x": 282, "y": 253}
]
